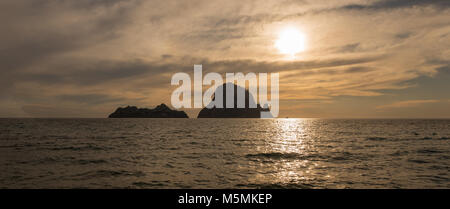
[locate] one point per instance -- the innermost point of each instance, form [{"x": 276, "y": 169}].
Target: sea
[{"x": 225, "y": 153}]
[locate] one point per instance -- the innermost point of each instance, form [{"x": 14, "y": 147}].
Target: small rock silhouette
[{"x": 161, "y": 111}]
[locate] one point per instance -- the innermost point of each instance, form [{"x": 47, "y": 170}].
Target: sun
[{"x": 290, "y": 41}]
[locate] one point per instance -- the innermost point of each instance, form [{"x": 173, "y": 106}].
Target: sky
[{"x": 361, "y": 59}]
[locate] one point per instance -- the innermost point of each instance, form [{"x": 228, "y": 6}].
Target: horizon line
[{"x": 343, "y": 118}]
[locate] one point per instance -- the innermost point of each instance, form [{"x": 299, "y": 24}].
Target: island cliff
[
  {"x": 161, "y": 111},
  {"x": 233, "y": 112}
]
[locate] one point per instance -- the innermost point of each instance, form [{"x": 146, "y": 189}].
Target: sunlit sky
[{"x": 357, "y": 59}]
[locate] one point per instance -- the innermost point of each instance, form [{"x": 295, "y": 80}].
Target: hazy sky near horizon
[{"x": 84, "y": 58}]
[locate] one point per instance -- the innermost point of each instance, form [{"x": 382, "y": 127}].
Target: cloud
[
  {"x": 280, "y": 66},
  {"x": 55, "y": 111},
  {"x": 403, "y": 35},
  {"x": 407, "y": 103},
  {"x": 34, "y": 32},
  {"x": 89, "y": 98},
  {"x": 61, "y": 26},
  {"x": 397, "y": 4},
  {"x": 349, "y": 48},
  {"x": 89, "y": 54},
  {"x": 90, "y": 72}
]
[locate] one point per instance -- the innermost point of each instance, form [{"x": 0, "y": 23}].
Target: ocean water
[{"x": 224, "y": 153}]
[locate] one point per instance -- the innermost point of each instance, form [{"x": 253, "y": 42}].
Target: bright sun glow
[{"x": 290, "y": 41}]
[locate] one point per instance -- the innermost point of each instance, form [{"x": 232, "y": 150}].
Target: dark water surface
[{"x": 224, "y": 153}]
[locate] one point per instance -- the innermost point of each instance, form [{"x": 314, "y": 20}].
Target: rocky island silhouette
[
  {"x": 234, "y": 112},
  {"x": 161, "y": 111}
]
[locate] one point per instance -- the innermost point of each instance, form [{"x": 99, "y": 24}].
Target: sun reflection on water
[
  {"x": 289, "y": 136},
  {"x": 289, "y": 147}
]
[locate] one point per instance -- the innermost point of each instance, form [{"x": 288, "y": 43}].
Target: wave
[
  {"x": 376, "y": 138},
  {"x": 151, "y": 184},
  {"x": 403, "y": 139},
  {"x": 276, "y": 186},
  {"x": 428, "y": 151},
  {"x": 418, "y": 161},
  {"x": 275, "y": 155},
  {"x": 110, "y": 173},
  {"x": 399, "y": 153},
  {"x": 85, "y": 162},
  {"x": 78, "y": 148},
  {"x": 331, "y": 157}
]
